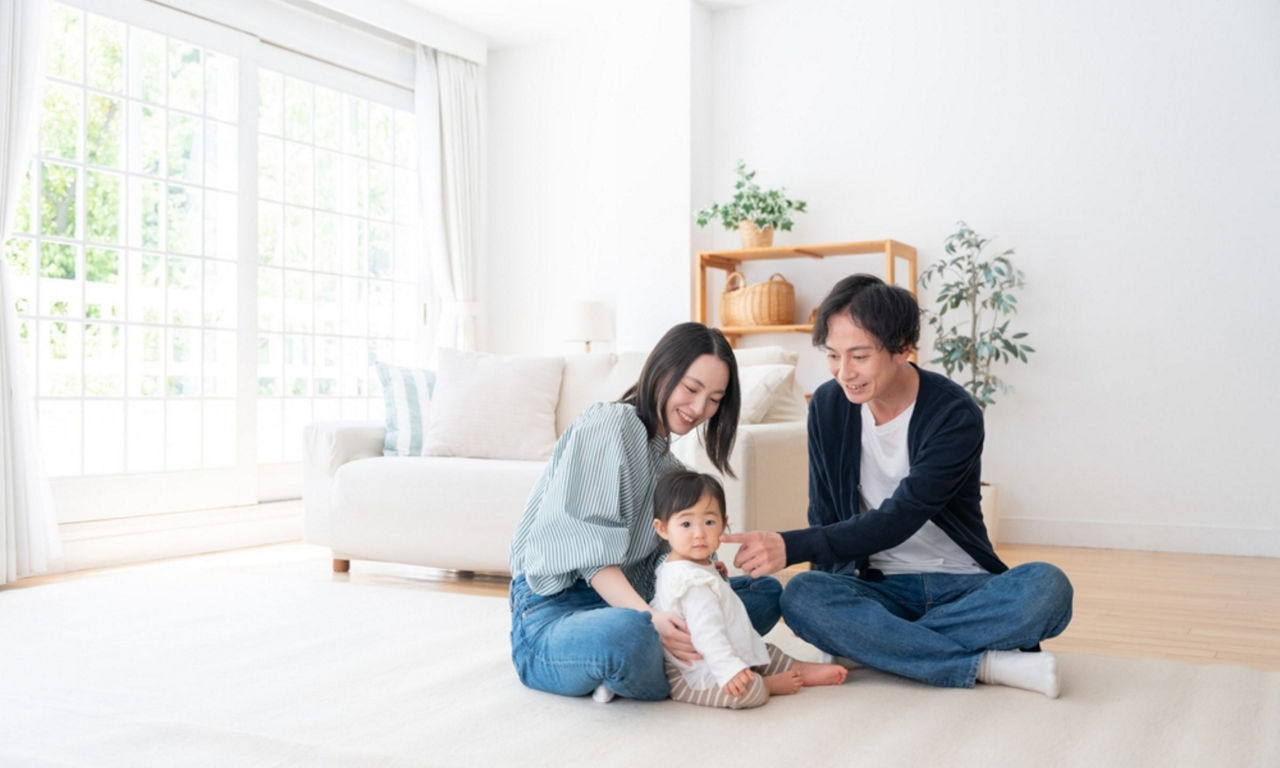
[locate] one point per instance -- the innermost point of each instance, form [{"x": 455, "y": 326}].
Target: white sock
[
  {"x": 602, "y": 694},
  {"x": 844, "y": 661},
  {"x": 1031, "y": 671}
]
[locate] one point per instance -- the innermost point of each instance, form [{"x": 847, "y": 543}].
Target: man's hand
[
  {"x": 738, "y": 685},
  {"x": 675, "y": 636},
  {"x": 761, "y": 552}
]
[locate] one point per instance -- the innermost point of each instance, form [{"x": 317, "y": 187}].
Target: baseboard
[
  {"x": 99, "y": 543},
  {"x": 1251, "y": 542}
]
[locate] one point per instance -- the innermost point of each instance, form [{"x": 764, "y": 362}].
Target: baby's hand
[
  {"x": 722, "y": 568},
  {"x": 737, "y": 686}
]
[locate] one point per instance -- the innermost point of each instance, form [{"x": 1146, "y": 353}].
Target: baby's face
[{"x": 694, "y": 533}]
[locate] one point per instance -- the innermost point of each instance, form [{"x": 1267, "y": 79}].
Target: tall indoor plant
[
  {"x": 976, "y": 293},
  {"x": 977, "y": 289},
  {"x": 753, "y": 211}
]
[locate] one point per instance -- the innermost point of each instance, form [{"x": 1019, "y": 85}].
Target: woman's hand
[
  {"x": 737, "y": 686},
  {"x": 675, "y": 636}
]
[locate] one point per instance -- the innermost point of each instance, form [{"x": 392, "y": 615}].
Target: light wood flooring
[{"x": 1195, "y": 608}]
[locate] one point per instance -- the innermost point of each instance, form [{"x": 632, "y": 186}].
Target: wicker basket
[
  {"x": 772, "y": 302},
  {"x": 753, "y": 236}
]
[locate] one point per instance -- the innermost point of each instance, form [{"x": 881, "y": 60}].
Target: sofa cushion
[
  {"x": 762, "y": 386},
  {"x": 493, "y": 406},
  {"x": 594, "y": 378},
  {"x": 406, "y": 397},
  {"x": 786, "y": 406}
]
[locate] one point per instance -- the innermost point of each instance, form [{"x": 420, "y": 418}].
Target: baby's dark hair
[{"x": 680, "y": 489}]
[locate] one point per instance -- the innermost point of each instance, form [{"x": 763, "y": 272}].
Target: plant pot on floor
[{"x": 753, "y": 236}]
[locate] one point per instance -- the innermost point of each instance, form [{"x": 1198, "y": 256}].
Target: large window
[
  {"x": 337, "y": 287},
  {"x": 133, "y": 263}
]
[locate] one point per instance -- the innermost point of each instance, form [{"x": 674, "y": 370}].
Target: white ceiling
[{"x": 507, "y": 23}]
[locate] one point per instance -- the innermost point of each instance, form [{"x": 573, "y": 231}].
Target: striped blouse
[{"x": 593, "y": 505}]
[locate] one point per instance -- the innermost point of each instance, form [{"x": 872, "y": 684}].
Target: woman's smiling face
[{"x": 696, "y": 396}]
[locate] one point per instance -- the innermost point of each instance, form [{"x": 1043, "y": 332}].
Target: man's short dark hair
[{"x": 887, "y": 312}]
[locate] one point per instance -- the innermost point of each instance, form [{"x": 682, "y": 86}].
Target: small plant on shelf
[
  {"x": 979, "y": 288},
  {"x": 753, "y": 211}
]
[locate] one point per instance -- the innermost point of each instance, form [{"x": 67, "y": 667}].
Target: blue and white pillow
[{"x": 406, "y": 394}]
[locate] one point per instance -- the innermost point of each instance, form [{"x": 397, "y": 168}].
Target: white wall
[
  {"x": 1130, "y": 151},
  {"x": 589, "y": 166}
]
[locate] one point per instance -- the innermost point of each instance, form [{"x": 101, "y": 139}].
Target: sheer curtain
[
  {"x": 447, "y": 106},
  {"x": 29, "y": 542}
]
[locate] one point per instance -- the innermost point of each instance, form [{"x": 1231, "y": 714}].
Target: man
[{"x": 905, "y": 579}]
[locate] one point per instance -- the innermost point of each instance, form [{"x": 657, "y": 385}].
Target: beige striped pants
[{"x": 756, "y": 693}]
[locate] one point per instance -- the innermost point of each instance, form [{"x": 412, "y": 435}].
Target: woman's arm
[{"x": 612, "y": 585}]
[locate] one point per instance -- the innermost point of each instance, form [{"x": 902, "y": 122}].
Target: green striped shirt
[{"x": 593, "y": 504}]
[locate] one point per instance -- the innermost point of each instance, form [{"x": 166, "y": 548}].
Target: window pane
[
  {"x": 220, "y": 295},
  {"x": 104, "y": 284},
  {"x": 186, "y": 143},
  {"x": 297, "y": 173},
  {"x": 186, "y": 77},
  {"x": 328, "y": 228},
  {"x": 220, "y": 225},
  {"x": 270, "y": 168},
  {"x": 146, "y": 65},
  {"x": 104, "y": 436},
  {"x": 222, "y": 158},
  {"x": 297, "y": 415},
  {"x": 221, "y": 89},
  {"x": 270, "y": 103},
  {"x": 105, "y": 131},
  {"x": 59, "y": 351},
  {"x": 270, "y": 299},
  {"x": 146, "y": 199},
  {"x": 297, "y": 109},
  {"x": 297, "y": 301},
  {"x": 146, "y": 288},
  {"x": 270, "y": 236},
  {"x": 406, "y": 141},
  {"x": 146, "y": 436},
  {"x": 220, "y": 364},
  {"x": 328, "y": 118},
  {"x": 182, "y": 366},
  {"x": 186, "y": 222},
  {"x": 60, "y": 436},
  {"x": 182, "y": 435},
  {"x": 60, "y": 121},
  {"x": 104, "y": 360},
  {"x": 355, "y": 125},
  {"x": 146, "y": 362},
  {"x": 146, "y": 139},
  {"x": 219, "y": 433},
  {"x": 297, "y": 237},
  {"x": 106, "y": 54},
  {"x": 103, "y": 207},
  {"x": 270, "y": 364},
  {"x": 23, "y": 220},
  {"x": 381, "y": 121},
  {"x": 65, "y": 45},
  {"x": 184, "y": 291},
  {"x": 58, "y": 199},
  {"x": 270, "y": 426},
  {"x": 328, "y": 174}
]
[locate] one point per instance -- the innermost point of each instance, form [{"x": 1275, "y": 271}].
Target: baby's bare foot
[
  {"x": 820, "y": 674},
  {"x": 783, "y": 683}
]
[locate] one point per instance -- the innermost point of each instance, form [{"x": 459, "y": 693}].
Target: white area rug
[{"x": 241, "y": 671}]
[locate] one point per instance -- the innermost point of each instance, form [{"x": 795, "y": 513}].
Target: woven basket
[
  {"x": 772, "y": 302},
  {"x": 753, "y": 236}
]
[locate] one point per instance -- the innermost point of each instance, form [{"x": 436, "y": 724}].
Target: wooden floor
[{"x": 1195, "y": 608}]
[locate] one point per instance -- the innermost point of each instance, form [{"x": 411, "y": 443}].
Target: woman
[{"x": 584, "y": 553}]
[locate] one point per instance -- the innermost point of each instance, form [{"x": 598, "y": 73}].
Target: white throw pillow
[
  {"x": 406, "y": 398},
  {"x": 762, "y": 386},
  {"x": 494, "y": 406}
]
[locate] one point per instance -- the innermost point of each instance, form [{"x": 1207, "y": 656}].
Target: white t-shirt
[
  {"x": 885, "y": 462},
  {"x": 718, "y": 623}
]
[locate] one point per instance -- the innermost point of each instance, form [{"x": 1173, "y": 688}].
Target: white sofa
[{"x": 459, "y": 513}]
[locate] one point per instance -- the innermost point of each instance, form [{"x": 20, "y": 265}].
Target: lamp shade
[{"x": 588, "y": 321}]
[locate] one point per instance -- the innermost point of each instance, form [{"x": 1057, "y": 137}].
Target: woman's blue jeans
[
  {"x": 572, "y": 641},
  {"x": 931, "y": 627}
]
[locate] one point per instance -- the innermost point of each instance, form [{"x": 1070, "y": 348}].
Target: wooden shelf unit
[{"x": 731, "y": 260}]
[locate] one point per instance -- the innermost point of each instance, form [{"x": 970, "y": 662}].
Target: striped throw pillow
[{"x": 406, "y": 393}]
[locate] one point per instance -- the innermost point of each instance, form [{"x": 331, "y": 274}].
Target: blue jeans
[
  {"x": 931, "y": 627},
  {"x": 572, "y": 641}
]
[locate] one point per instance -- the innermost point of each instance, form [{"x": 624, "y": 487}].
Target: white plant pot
[{"x": 990, "y": 517}]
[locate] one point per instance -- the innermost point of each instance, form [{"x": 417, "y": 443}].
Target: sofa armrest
[
  {"x": 327, "y": 445},
  {"x": 771, "y": 490}
]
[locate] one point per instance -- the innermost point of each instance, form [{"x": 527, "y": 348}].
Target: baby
[{"x": 738, "y": 669}]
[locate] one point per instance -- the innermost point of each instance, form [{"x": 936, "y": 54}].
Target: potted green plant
[
  {"x": 974, "y": 302},
  {"x": 753, "y": 211}
]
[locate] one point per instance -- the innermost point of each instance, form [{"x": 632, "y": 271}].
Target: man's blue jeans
[
  {"x": 572, "y": 641},
  {"x": 931, "y": 627}
]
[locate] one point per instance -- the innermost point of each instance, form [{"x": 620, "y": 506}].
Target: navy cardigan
[{"x": 944, "y": 447}]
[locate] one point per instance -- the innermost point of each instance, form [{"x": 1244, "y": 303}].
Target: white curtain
[
  {"x": 29, "y": 543},
  {"x": 447, "y": 106}
]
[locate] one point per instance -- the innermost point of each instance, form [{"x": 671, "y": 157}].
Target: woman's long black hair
[{"x": 662, "y": 371}]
